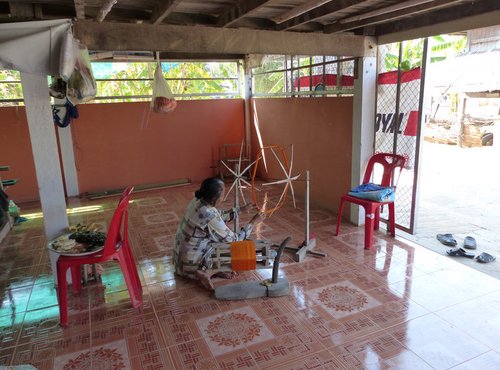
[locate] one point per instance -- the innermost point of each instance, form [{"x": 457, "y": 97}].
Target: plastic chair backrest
[
  {"x": 120, "y": 217},
  {"x": 390, "y": 162}
]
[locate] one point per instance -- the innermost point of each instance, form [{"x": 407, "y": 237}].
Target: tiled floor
[{"x": 397, "y": 306}]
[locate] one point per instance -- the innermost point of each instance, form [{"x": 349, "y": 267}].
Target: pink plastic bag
[{"x": 163, "y": 100}]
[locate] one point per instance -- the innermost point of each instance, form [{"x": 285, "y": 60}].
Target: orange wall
[
  {"x": 321, "y": 131},
  {"x": 127, "y": 144},
  {"x": 120, "y": 144},
  {"x": 15, "y": 151}
]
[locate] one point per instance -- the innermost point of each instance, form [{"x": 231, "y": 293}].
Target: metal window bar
[
  {"x": 313, "y": 65},
  {"x": 169, "y": 79},
  {"x": 292, "y": 75},
  {"x": 127, "y": 97}
]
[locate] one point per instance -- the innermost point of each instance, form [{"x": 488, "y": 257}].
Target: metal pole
[
  {"x": 247, "y": 94},
  {"x": 418, "y": 149},
  {"x": 236, "y": 200},
  {"x": 307, "y": 209},
  {"x": 398, "y": 98}
]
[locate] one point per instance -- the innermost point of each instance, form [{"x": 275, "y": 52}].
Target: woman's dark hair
[{"x": 210, "y": 190}]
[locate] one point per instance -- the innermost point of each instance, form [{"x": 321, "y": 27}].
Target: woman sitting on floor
[{"x": 204, "y": 223}]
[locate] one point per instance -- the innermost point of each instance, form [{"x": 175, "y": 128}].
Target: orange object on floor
[
  {"x": 243, "y": 255},
  {"x": 116, "y": 247}
]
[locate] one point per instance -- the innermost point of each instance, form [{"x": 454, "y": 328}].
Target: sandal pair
[
  {"x": 449, "y": 240},
  {"x": 485, "y": 258},
  {"x": 459, "y": 252}
]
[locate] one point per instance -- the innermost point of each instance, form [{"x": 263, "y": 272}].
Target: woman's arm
[{"x": 218, "y": 230}]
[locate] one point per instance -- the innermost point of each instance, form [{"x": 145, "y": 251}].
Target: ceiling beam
[
  {"x": 324, "y": 10},
  {"x": 298, "y": 10},
  {"x": 21, "y": 10},
  {"x": 105, "y": 9},
  {"x": 428, "y": 24},
  {"x": 80, "y": 9},
  {"x": 239, "y": 10},
  {"x": 200, "y": 39},
  {"x": 384, "y": 10},
  {"x": 342, "y": 25},
  {"x": 189, "y": 19},
  {"x": 163, "y": 10},
  {"x": 256, "y": 23}
]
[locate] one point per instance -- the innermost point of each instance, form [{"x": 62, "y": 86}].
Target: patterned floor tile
[
  {"x": 161, "y": 217},
  {"x": 233, "y": 330},
  {"x": 283, "y": 349},
  {"x": 10, "y": 327},
  {"x": 342, "y": 299},
  {"x": 332, "y": 332},
  {"x": 41, "y": 354},
  {"x": 14, "y": 301},
  {"x": 323, "y": 360},
  {"x": 112, "y": 356},
  {"x": 142, "y": 334},
  {"x": 157, "y": 360}
]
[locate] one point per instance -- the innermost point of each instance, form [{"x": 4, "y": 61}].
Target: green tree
[
  {"x": 441, "y": 47},
  {"x": 9, "y": 89}
]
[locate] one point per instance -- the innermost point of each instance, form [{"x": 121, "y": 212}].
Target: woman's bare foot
[
  {"x": 225, "y": 274},
  {"x": 204, "y": 278}
]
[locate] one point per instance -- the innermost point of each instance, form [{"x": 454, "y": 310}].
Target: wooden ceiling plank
[
  {"x": 105, "y": 9},
  {"x": 37, "y": 11},
  {"x": 385, "y": 10},
  {"x": 163, "y": 11},
  {"x": 239, "y": 10},
  {"x": 21, "y": 10},
  {"x": 201, "y": 39},
  {"x": 298, "y": 10},
  {"x": 80, "y": 9},
  {"x": 459, "y": 12},
  {"x": 327, "y": 9},
  {"x": 389, "y": 16}
]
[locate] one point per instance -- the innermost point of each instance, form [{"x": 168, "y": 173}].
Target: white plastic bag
[
  {"x": 67, "y": 58},
  {"x": 163, "y": 100},
  {"x": 81, "y": 85}
]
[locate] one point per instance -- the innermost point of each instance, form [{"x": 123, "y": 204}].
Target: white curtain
[{"x": 32, "y": 47}]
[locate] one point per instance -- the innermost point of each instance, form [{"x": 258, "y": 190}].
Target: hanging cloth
[{"x": 64, "y": 113}]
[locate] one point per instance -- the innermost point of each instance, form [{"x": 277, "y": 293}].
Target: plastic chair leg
[
  {"x": 128, "y": 275},
  {"x": 392, "y": 219},
  {"x": 62, "y": 295},
  {"x": 376, "y": 222},
  {"x": 76, "y": 278},
  {"x": 369, "y": 225},
  {"x": 339, "y": 217},
  {"x": 132, "y": 265}
]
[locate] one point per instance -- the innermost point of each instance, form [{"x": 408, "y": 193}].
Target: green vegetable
[{"x": 92, "y": 238}]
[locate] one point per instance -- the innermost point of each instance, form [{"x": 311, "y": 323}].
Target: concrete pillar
[
  {"x": 68, "y": 161},
  {"x": 45, "y": 153},
  {"x": 363, "y": 125}
]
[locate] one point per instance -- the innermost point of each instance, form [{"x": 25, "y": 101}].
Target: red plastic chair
[
  {"x": 116, "y": 248},
  {"x": 390, "y": 162}
]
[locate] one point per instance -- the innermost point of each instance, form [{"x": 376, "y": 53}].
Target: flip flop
[
  {"x": 447, "y": 239},
  {"x": 470, "y": 243},
  {"x": 485, "y": 258},
  {"x": 459, "y": 252}
]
